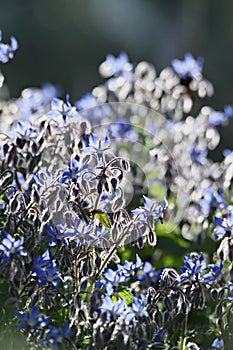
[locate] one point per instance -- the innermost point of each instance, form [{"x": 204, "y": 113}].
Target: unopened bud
[{"x": 125, "y": 165}]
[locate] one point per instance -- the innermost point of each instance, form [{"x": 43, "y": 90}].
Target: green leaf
[
  {"x": 86, "y": 340},
  {"x": 103, "y": 219},
  {"x": 126, "y": 294}
]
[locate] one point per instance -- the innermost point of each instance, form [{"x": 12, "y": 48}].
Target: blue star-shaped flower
[
  {"x": 189, "y": 67},
  {"x": 33, "y": 320},
  {"x": 10, "y": 247},
  {"x": 7, "y": 50},
  {"x": 138, "y": 309},
  {"x": 151, "y": 211},
  {"x": 225, "y": 226}
]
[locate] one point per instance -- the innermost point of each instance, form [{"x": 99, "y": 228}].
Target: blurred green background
[{"x": 63, "y": 41}]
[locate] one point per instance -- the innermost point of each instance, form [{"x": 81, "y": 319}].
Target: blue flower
[
  {"x": 92, "y": 109},
  {"x": 215, "y": 272},
  {"x": 83, "y": 232},
  {"x": 212, "y": 201},
  {"x": 10, "y": 246},
  {"x": 33, "y": 100},
  {"x": 60, "y": 233},
  {"x": 33, "y": 320},
  {"x": 45, "y": 270},
  {"x": 60, "y": 108},
  {"x": 7, "y": 50},
  {"x": 193, "y": 268},
  {"x": 122, "y": 129},
  {"x": 151, "y": 211},
  {"x": 161, "y": 335},
  {"x": 98, "y": 147},
  {"x": 118, "y": 66},
  {"x": 56, "y": 337},
  {"x": 97, "y": 237},
  {"x": 112, "y": 279},
  {"x": 42, "y": 261},
  {"x": 26, "y": 130},
  {"x": 149, "y": 275},
  {"x": 225, "y": 226},
  {"x": 221, "y": 118},
  {"x": 73, "y": 171},
  {"x": 138, "y": 309},
  {"x": 189, "y": 67},
  {"x": 198, "y": 155},
  {"x": 112, "y": 309},
  {"x": 217, "y": 344},
  {"x": 87, "y": 102},
  {"x": 129, "y": 269}
]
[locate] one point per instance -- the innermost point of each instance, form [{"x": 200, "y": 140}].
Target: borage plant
[{"x": 116, "y": 226}]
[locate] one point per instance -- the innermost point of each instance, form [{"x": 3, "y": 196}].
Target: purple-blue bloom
[
  {"x": 189, "y": 67},
  {"x": 129, "y": 269},
  {"x": 225, "y": 226},
  {"x": 87, "y": 102},
  {"x": 42, "y": 261},
  {"x": 60, "y": 108},
  {"x": 221, "y": 118},
  {"x": 217, "y": 344},
  {"x": 83, "y": 232},
  {"x": 149, "y": 275},
  {"x": 92, "y": 109},
  {"x": 60, "y": 233},
  {"x": 33, "y": 320},
  {"x": 26, "y": 130},
  {"x": 214, "y": 272},
  {"x": 112, "y": 279},
  {"x": 196, "y": 269},
  {"x": 119, "y": 65},
  {"x": 122, "y": 129},
  {"x": 46, "y": 274},
  {"x": 33, "y": 100},
  {"x": 193, "y": 268},
  {"x": 138, "y": 309},
  {"x": 161, "y": 335},
  {"x": 73, "y": 171},
  {"x": 96, "y": 236},
  {"x": 10, "y": 246},
  {"x": 211, "y": 201},
  {"x": 113, "y": 309},
  {"x": 98, "y": 147},
  {"x": 151, "y": 211},
  {"x": 7, "y": 50},
  {"x": 56, "y": 337},
  {"x": 198, "y": 155}
]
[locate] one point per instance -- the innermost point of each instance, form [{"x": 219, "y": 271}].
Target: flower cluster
[{"x": 116, "y": 226}]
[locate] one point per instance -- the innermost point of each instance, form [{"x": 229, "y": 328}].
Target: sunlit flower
[{"x": 7, "y": 50}]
